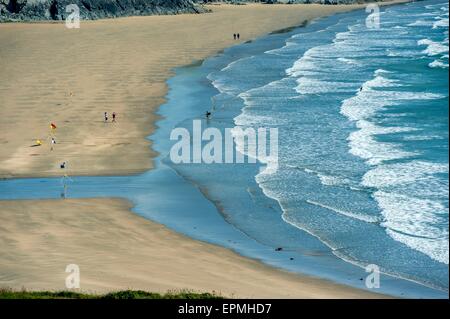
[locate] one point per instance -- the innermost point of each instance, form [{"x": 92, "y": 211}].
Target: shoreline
[
  {"x": 216, "y": 247},
  {"x": 187, "y": 77}
]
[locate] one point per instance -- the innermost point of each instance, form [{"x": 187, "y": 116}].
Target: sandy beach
[
  {"x": 50, "y": 74},
  {"x": 70, "y": 77},
  {"x": 116, "y": 249}
]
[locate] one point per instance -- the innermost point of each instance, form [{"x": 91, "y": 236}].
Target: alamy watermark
[
  {"x": 73, "y": 279},
  {"x": 212, "y": 146},
  {"x": 373, "y": 279},
  {"x": 73, "y": 19},
  {"x": 373, "y": 19}
]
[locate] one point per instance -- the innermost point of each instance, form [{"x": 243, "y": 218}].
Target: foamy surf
[{"x": 433, "y": 48}]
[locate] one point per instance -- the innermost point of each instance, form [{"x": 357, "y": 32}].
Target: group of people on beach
[
  {"x": 236, "y": 36},
  {"x": 113, "y": 116},
  {"x": 63, "y": 165}
]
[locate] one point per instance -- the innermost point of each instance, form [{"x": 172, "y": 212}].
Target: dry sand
[
  {"x": 116, "y": 249},
  {"x": 117, "y": 66}
]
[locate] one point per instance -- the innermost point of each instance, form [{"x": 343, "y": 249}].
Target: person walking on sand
[
  {"x": 238, "y": 36},
  {"x": 114, "y": 116},
  {"x": 234, "y": 36},
  {"x": 106, "y": 117},
  {"x": 52, "y": 143}
]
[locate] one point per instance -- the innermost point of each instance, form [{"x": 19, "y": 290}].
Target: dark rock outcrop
[{"x": 34, "y": 10}]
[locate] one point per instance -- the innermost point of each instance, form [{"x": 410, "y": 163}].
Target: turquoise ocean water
[{"x": 362, "y": 115}]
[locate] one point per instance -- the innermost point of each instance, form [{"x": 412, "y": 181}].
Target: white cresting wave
[
  {"x": 438, "y": 64},
  {"x": 359, "y": 216},
  {"x": 413, "y": 218},
  {"x": 418, "y": 223},
  {"x": 375, "y": 95},
  {"x": 364, "y": 105},
  {"x": 434, "y": 48},
  {"x": 410, "y": 219}
]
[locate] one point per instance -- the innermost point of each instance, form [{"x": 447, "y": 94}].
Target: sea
[
  {"x": 362, "y": 119},
  {"x": 360, "y": 177}
]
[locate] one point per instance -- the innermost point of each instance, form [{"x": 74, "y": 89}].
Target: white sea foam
[
  {"x": 280, "y": 51},
  {"x": 364, "y": 105},
  {"x": 303, "y": 65},
  {"x": 332, "y": 180},
  {"x": 229, "y": 66},
  {"x": 327, "y": 179},
  {"x": 438, "y": 64},
  {"x": 363, "y": 143},
  {"x": 416, "y": 223},
  {"x": 309, "y": 85},
  {"x": 433, "y": 48},
  {"x": 421, "y": 23},
  {"x": 368, "y": 101},
  {"x": 359, "y": 216},
  {"x": 441, "y": 23},
  {"x": 402, "y": 53},
  {"x": 312, "y": 68},
  {"x": 422, "y": 137},
  {"x": 438, "y": 5},
  {"x": 348, "y": 61},
  {"x": 388, "y": 175},
  {"x": 413, "y": 221}
]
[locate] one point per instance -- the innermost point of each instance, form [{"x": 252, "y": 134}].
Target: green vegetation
[{"x": 6, "y": 293}]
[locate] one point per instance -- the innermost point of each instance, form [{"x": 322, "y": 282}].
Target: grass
[{"x": 6, "y": 293}]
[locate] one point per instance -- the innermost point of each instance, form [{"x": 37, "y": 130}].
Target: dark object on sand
[{"x": 63, "y": 165}]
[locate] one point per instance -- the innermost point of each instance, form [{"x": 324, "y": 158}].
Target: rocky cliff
[{"x": 34, "y": 10}]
